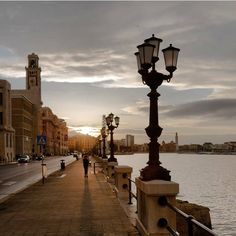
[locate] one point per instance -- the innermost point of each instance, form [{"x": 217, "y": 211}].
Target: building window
[
  {"x": 1, "y": 99},
  {"x": 10, "y": 140},
  {"x": 7, "y": 140},
  {"x": 1, "y": 118}
]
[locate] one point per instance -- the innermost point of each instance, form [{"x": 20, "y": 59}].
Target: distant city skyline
[{"x": 86, "y": 52}]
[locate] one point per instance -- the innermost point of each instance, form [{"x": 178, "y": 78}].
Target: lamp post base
[
  {"x": 112, "y": 159},
  {"x": 154, "y": 172}
]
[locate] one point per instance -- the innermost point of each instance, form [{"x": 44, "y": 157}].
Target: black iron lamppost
[
  {"x": 100, "y": 146},
  {"x": 104, "y": 135},
  {"x": 147, "y": 56},
  {"x": 111, "y": 127}
]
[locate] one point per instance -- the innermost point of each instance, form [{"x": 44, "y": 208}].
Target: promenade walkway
[{"x": 66, "y": 205}]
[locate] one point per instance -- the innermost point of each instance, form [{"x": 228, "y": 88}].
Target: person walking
[{"x": 85, "y": 164}]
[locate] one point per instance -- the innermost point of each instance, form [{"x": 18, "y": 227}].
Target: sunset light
[
  {"x": 93, "y": 131},
  {"x": 95, "y": 103}
]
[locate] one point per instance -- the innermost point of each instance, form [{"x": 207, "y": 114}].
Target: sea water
[{"x": 208, "y": 180}]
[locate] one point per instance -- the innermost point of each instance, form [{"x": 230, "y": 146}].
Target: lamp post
[
  {"x": 109, "y": 120},
  {"x": 100, "y": 146},
  {"x": 104, "y": 135},
  {"x": 147, "y": 56}
]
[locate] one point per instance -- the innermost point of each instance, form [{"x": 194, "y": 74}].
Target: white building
[
  {"x": 177, "y": 142},
  {"x": 129, "y": 140}
]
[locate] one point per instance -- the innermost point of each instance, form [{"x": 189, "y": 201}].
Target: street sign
[{"x": 41, "y": 139}]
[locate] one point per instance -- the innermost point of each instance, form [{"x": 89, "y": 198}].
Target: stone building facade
[
  {"x": 23, "y": 123},
  {"x": 56, "y": 131},
  {"x": 7, "y": 133},
  {"x": 81, "y": 143},
  {"x": 23, "y": 119},
  {"x": 30, "y": 95}
]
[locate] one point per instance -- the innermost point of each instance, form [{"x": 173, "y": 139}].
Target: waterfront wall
[{"x": 200, "y": 213}]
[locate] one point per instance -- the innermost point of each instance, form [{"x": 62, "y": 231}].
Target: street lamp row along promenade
[
  {"x": 111, "y": 162},
  {"x": 147, "y": 56},
  {"x": 109, "y": 122},
  {"x": 154, "y": 183},
  {"x": 150, "y": 184}
]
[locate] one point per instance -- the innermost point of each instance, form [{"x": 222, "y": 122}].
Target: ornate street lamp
[
  {"x": 104, "y": 135},
  {"x": 100, "y": 146},
  {"x": 146, "y": 57},
  {"x": 109, "y": 120}
]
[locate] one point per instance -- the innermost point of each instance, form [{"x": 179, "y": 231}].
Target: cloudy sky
[{"x": 86, "y": 52}]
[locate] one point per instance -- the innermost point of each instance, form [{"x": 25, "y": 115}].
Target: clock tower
[{"x": 33, "y": 79}]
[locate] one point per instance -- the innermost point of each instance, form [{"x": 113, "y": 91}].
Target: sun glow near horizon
[{"x": 93, "y": 131}]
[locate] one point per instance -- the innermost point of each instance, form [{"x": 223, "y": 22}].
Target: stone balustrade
[{"x": 122, "y": 175}]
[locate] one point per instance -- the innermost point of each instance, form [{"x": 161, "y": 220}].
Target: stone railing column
[
  {"x": 122, "y": 173},
  {"x": 111, "y": 170},
  {"x": 149, "y": 211},
  {"x": 105, "y": 167}
]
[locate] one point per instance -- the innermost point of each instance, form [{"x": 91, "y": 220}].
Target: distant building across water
[{"x": 208, "y": 147}]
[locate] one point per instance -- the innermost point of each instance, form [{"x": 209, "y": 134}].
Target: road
[{"x": 18, "y": 176}]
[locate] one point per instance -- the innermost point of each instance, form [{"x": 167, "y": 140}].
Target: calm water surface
[{"x": 208, "y": 180}]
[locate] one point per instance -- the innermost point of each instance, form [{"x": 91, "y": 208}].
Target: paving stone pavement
[{"x": 65, "y": 206}]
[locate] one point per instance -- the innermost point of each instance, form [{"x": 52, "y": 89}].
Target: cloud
[
  {"x": 193, "y": 117},
  {"x": 6, "y": 52},
  {"x": 104, "y": 67},
  {"x": 101, "y": 66},
  {"x": 93, "y": 131},
  {"x": 100, "y": 49},
  {"x": 199, "y": 73},
  {"x": 214, "y": 109},
  {"x": 169, "y": 99},
  {"x": 12, "y": 71},
  {"x": 141, "y": 107},
  {"x": 133, "y": 131},
  {"x": 92, "y": 59}
]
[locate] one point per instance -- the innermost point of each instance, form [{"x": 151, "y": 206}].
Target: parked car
[
  {"x": 39, "y": 157},
  {"x": 24, "y": 159},
  {"x": 18, "y": 156},
  {"x": 75, "y": 155}
]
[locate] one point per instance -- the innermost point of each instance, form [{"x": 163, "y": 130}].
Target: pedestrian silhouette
[{"x": 85, "y": 164}]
